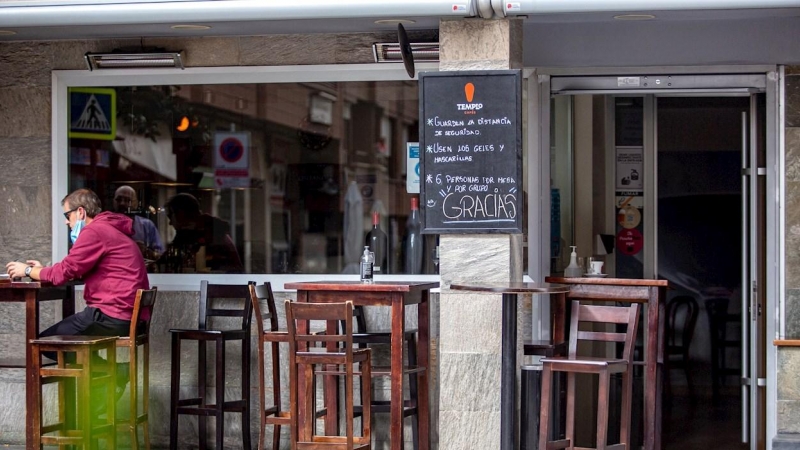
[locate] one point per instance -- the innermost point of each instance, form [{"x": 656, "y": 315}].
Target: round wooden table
[{"x": 508, "y": 374}]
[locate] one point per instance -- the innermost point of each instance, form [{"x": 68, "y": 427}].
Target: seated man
[
  {"x": 109, "y": 263},
  {"x": 145, "y": 233}
]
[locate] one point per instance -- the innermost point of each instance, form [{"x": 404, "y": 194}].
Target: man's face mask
[{"x": 76, "y": 230}]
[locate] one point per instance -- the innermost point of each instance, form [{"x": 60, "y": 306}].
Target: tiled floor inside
[{"x": 698, "y": 423}]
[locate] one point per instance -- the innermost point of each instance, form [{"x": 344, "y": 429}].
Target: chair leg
[
  {"x": 174, "y": 392},
  {"x": 602, "y": 410},
  {"x": 146, "y": 395},
  {"x": 276, "y": 393},
  {"x": 544, "y": 408},
  {"x": 202, "y": 368},
  {"x": 570, "y": 425},
  {"x": 412, "y": 388},
  {"x": 133, "y": 385},
  {"x": 220, "y": 394},
  {"x": 246, "y": 393},
  {"x": 625, "y": 414}
]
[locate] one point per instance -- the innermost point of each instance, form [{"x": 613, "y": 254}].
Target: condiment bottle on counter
[
  {"x": 367, "y": 261},
  {"x": 573, "y": 270}
]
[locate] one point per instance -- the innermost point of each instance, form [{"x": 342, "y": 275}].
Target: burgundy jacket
[{"x": 109, "y": 262}]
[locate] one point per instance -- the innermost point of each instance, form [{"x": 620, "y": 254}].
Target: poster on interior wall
[
  {"x": 471, "y": 152},
  {"x": 630, "y": 168}
]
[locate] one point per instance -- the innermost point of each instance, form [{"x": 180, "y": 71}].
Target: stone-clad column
[
  {"x": 788, "y": 377},
  {"x": 469, "y": 403}
]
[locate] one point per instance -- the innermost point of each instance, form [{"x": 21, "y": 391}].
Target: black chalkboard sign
[{"x": 471, "y": 152}]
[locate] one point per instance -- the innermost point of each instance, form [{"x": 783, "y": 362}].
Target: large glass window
[{"x": 252, "y": 178}]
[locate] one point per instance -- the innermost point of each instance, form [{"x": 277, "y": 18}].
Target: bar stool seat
[
  {"x": 88, "y": 374},
  {"x": 198, "y": 406}
]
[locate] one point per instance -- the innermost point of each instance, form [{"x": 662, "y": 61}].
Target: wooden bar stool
[
  {"x": 198, "y": 406},
  {"x": 268, "y": 334},
  {"x": 363, "y": 337},
  {"x": 603, "y": 367},
  {"x": 339, "y": 358},
  {"x": 139, "y": 336},
  {"x": 88, "y": 374}
]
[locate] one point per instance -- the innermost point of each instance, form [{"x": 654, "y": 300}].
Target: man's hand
[
  {"x": 33, "y": 263},
  {"x": 16, "y": 269}
]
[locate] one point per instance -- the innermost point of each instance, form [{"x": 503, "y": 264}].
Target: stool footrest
[
  {"x": 555, "y": 445},
  {"x": 210, "y": 409}
]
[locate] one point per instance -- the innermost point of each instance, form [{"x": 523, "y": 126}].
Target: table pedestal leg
[{"x": 508, "y": 381}]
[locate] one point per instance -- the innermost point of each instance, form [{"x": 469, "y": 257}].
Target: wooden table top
[
  {"x": 22, "y": 284},
  {"x": 512, "y": 288},
  {"x": 357, "y": 286}
]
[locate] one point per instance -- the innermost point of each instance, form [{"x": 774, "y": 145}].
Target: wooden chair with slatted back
[
  {"x": 603, "y": 367},
  {"x": 337, "y": 358},
  {"x": 139, "y": 336},
  {"x": 210, "y": 295}
]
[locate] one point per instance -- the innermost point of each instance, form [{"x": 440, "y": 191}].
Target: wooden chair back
[
  {"x": 300, "y": 311},
  {"x": 679, "y": 336},
  {"x": 259, "y": 293},
  {"x": 145, "y": 300},
  {"x": 211, "y": 294},
  {"x": 619, "y": 315}
]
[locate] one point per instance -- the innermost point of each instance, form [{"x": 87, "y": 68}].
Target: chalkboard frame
[{"x": 459, "y": 78}]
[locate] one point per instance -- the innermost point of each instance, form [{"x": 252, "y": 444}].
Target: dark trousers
[{"x": 90, "y": 322}]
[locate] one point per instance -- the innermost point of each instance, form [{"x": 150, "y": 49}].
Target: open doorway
[
  {"x": 680, "y": 173},
  {"x": 699, "y": 229}
]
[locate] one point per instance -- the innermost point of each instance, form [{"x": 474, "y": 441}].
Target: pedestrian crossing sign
[{"x": 93, "y": 113}]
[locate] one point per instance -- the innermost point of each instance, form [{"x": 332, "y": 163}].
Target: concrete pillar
[{"x": 469, "y": 403}]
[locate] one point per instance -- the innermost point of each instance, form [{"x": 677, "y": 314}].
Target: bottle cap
[
  {"x": 376, "y": 217},
  {"x": 414, "y": 203}
]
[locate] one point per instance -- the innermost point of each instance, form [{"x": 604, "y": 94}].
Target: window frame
[{"x": 62, "y": 80}]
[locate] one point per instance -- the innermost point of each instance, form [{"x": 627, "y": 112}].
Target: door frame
[{"x": 704, "y": 79}]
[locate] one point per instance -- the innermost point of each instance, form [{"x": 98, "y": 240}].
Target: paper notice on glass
[
  {"x": 630, "y": 168},
  {"x": 412, "y": 167}
]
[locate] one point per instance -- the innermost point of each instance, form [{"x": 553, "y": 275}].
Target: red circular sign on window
[{"x": 629, "y": 241}]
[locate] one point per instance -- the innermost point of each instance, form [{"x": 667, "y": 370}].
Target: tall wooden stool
[
  {"x": 139, "y": 335},
  {"x": 268, "y": 334},
  {"x": 364, "y": 337},
  {"x": 87, "y": 374},
  {"x": 197, "y": 406},
  {"x": 338, "y": 358},
  {"x": 603, "y": 367}
]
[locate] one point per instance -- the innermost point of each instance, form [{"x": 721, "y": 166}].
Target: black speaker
[{"x": 405, "y": 50}]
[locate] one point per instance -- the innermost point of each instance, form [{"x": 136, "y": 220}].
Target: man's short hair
[
  {"x": 184, "y": 202},
  {"x": 86, "y": 199}
]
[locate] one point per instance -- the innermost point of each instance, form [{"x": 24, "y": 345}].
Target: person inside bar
[
  {"x": 202, "y": 242},
  {"x": 145, "y": 233},
  {"x": 108, "y": 262}
]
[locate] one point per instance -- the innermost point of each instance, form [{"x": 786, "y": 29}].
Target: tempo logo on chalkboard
[
  {"x": 469, "y": 107},
  {"x": 471, "y": 152}
]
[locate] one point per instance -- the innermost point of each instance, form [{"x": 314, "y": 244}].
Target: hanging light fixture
[{"x": 139, "y": 60}]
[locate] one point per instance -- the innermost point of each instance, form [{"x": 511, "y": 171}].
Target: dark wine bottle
[
  {"x": 378, "y": 243},
  {"x": 413, "y": 244}
]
